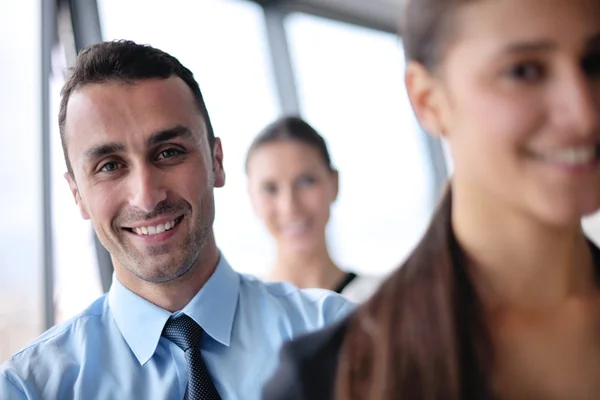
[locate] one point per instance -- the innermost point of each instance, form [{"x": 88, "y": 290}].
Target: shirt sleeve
[
  {"x": 9, "y": 389},
  {"x": 346, "y": 309}
]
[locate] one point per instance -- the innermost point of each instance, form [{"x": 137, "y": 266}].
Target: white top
[{"x": 362, "y": 287}]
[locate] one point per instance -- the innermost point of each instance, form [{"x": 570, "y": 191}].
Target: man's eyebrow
[
  {"x": 165, "y": 135},
  {"x": 103, "y": 150},
  {"x": 106, "y": 149}
]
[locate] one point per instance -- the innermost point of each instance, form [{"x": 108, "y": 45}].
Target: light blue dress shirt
[{"x": 114, "y": 349}]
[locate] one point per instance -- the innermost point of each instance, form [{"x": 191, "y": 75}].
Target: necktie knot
[{"x": 183, "y": 331}]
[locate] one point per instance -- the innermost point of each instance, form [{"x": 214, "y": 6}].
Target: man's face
[{"x": 143, "y": 173}]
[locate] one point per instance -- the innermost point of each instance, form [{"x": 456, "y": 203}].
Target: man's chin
[
  {"x": 157, "y": 269},
  {"x": 159, "y": 275}
]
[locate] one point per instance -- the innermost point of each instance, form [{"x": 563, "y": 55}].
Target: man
[{"x": 178, "y": 322}]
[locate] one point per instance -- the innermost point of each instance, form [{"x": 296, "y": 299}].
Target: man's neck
[{"x": 176, "y": 294}]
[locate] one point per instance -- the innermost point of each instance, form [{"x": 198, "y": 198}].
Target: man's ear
[
  {"x": 219, "y": 171},
  {"x": 425, "y": 96},
  {"x": 75, "y": 191}
]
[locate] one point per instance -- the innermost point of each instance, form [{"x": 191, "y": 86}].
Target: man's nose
[{"x": 147, "y": 189}]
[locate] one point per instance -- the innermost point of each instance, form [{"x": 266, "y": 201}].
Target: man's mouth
[{"x": 155, "y": 229}]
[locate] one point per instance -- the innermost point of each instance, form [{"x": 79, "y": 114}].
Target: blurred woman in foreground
[
  {"x": 292, "y": 186},
  {"x": 501, "y": 298}
]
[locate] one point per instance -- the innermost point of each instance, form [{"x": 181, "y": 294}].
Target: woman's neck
[
  {"x": 516, "y": 261},
  {"x": 311, "y": 269}
]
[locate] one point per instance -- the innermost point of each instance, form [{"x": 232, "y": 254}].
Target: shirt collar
[{"x": 213, "y": 308}]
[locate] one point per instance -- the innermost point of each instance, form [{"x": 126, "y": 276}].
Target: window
[
  {"x": 351, "y": 87},
  {"x": 21, "y": 239},
  {"x": 223, "y": 43},
  {"x": 76, "y": 278},
  {"x": 591, "y": 226}
]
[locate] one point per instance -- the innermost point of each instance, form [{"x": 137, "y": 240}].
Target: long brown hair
[{"x": 421, "y": 336}]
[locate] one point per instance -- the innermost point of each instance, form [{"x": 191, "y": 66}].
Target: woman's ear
[
  {"x": 426, "y": 97},
  {"x": 335, "y": 178}
]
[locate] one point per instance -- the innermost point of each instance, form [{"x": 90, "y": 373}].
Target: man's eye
[
  {"x": 110, "y": 167},
  {"x": 306, "y": 180},
  {"x": 169, "y": 153}
]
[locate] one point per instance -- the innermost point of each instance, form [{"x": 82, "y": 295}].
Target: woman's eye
[
  {"x": 270, "y": 189},
  {"x": 591, "y": 65},
  {"x": 528, "y": 71}
]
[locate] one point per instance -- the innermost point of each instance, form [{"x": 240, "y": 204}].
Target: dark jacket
[{"x": 307, "y": 366}]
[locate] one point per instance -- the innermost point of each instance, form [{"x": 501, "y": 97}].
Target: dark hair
[
  {"x": 291, "y": 128},
  {"x": 426, "y": 28},
  {"x": 126, "y": 62},
  {"x": 421, "y": 335}
]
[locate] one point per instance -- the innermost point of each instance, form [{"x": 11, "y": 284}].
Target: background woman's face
[{"x": 292, "y": 190}]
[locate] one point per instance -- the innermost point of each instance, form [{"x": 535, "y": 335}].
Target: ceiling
[{"x": 379, "y": 14}]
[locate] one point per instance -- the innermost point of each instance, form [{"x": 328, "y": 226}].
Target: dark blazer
[{"x": 307, "y": 366}]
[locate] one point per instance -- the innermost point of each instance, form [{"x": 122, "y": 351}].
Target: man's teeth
[
  {"x": 153, "y": 230},
  {"x": 572, "y": 155}
]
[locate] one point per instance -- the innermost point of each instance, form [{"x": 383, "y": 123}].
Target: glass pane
[
  {"x": 21, "y": 237},
  {"x": 591, "y": 226},
  {"x": 351, "y": 88},
  {"x": 76, "y": 278},
  {"x": 448, "y": 157},
  {"x": 223, "y": 43}
]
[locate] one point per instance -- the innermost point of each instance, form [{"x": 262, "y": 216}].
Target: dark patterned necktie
[{"x": 186, "y": 333}]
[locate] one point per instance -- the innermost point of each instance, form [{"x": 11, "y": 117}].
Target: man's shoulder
[
  {"x": 55, "y": 343},
  {"x": 320, "y": 344},
  {"x": 285, "y": 290},
  {"x": 286, "y": 293},
  {"x": 313, "y": 308}
]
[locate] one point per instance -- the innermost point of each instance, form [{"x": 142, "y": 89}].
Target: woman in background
[
  {"x": 292, "y": 186},
  {"x": 501, "y": 298}
]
